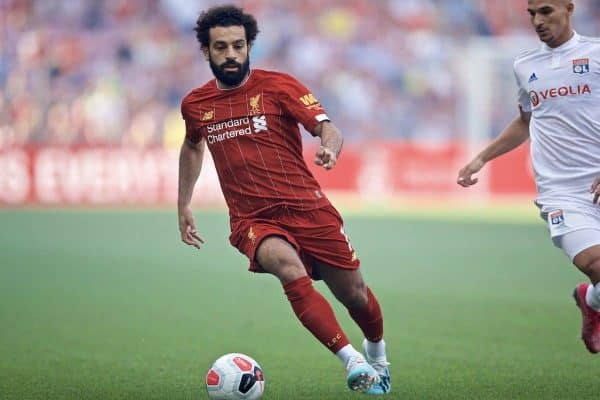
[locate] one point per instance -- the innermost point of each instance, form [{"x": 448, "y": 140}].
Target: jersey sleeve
[
  {"x": 191, "y": 133},
  {"x": 300, "y": 103},
  {"x": 523, "y": 95}
]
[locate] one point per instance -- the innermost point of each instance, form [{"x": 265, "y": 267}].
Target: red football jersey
[{"x": 253, "y": 135}]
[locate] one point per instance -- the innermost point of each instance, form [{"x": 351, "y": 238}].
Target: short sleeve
[
  {"x": 523, "y": 94},
  {"x": 300, "y": 103},
  {"x": 191, "y": 133}
]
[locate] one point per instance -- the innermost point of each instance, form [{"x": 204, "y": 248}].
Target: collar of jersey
[
  {"x": 242, "y": 84},
  {"x": 565, "y": 46}
]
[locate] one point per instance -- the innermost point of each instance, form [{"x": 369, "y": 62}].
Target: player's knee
[
  {"x": 288, "y": 272},
  {"x": 279, "y": 258},
  {"x": 589, "y": 266},
  {"x": 593, "y": 269},
  {"x": 356, "y": 297}
]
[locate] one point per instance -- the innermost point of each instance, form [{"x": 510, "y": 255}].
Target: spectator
[{"x": 112, "y": 72}]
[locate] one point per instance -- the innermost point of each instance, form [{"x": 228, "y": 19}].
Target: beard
[{"x": 227, "y": 77}]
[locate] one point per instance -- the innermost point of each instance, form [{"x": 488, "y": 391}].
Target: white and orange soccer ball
[{"x": 235, "y": 376}]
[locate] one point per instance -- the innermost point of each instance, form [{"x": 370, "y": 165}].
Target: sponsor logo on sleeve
[
  {"x": 581, "y": 66},
  {"x": 310, "y": 102}
]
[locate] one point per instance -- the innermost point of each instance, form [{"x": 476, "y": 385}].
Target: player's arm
[
  {"x": 511, "y": 137},
  {"x": 190, "y": 164},
  {"x": 301, "y": 104},
  {"x": 331, "y": 144}
]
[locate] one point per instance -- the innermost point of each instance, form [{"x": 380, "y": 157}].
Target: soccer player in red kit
[{"x": 280, "y": 219}]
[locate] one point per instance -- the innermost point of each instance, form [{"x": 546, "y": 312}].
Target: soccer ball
[{"x": 235, "y": 376}]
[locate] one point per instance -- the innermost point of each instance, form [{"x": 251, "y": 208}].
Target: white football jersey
[{"x": 561, "y": 88}]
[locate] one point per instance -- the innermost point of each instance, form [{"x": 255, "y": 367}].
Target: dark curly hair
[{"x": 227, "y": 15}]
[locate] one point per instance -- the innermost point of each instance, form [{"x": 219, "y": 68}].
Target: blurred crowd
[{"x": 113, "y": 72}]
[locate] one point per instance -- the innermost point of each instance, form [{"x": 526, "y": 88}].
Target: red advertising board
[
  {"x": 57, "y": 176},
  {"x": 125, "y": 176},
  {"x": 394, "y": 168},
  {"x": 512, "y": 174}
]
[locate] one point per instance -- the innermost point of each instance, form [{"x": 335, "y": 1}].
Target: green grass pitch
[{"x": 111, "y": 305}]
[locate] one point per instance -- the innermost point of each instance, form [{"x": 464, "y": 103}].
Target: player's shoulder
[
  {"x": 590, "y": 41},
  {"x": 264, "y": 74},
  {"x": 205, "y": 91},
  {"x": 526, "y": 55},
  {"x": 199, "y": 94}
]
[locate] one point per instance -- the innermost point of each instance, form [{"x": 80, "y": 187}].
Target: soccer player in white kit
[{"x": 559, "y": 102}]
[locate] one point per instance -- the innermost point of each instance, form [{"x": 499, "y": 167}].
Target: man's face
[
  {"x": 228, "y": 54},
  {"x": 551, "y": 20}
]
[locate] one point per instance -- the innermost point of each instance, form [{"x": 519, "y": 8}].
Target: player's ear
[{"x": 205, "y": 52}]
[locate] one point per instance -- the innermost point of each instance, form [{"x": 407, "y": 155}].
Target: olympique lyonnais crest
[
  {"x": 581, "y": 65},
  {"x": 557, "y": 217}
]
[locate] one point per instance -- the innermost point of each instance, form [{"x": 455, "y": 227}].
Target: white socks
[
  {"x": 346, "y": 353},
  {"x": 592, "y": 296},
  {"x": 375, "y": 349}
]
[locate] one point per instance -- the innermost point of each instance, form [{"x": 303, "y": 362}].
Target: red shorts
[{"x": 317, "y": 235}]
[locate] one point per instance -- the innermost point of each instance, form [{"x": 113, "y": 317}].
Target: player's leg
[
  {"x": 583, "y": 248},
  {"x": 588, "y": 261},
  {"x": 321, "y": 236},
  {"x": 278, "y": 257},
  {"x": 587, "y": 296},
  {"x": 348, "y": 286}
]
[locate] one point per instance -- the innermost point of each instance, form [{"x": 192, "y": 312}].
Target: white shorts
[
  {"x": 574, "y": 229},
  {"x": 575, "y": 242}
]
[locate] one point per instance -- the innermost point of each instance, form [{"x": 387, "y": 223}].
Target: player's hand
[
  {"x": 465, "y": 175},
  {"x": 325, "y": 157},
  {"x": 187, "y": 228},
  {"x": 595, "y": 190}
]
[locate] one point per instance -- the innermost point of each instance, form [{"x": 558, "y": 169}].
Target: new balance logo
[
  {"x": 260, "y": 123},
  {"x": 533, "y": 78}
]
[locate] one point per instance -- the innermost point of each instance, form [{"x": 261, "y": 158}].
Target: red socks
[
  {"x": 369, "y": 318},
  {"x": 315, "y": 313}
]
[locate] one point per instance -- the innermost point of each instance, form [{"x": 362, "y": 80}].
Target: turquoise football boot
[
  {"x": 380, "y": 365},
  {"x": 360, "y": 376}
]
